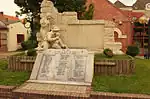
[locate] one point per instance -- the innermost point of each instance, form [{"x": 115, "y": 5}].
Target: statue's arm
[
  {"x": 53, "y": 39},
  {"x": 50, "y": 38}
]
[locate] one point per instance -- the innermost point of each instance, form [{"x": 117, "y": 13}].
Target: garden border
[{"x": 101, "y": 67}]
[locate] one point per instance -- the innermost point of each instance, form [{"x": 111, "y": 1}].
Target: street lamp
[
  {"x": 27, "y": 25},
  {"x": 143, "y": 20}
]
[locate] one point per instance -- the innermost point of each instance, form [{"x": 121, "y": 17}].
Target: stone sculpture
[
  {"x": 42, "y": 43},
  {"x": 49, "y": 35},
  {"x": 50, "y": 39},
  {"x": 53, "y": 38}
]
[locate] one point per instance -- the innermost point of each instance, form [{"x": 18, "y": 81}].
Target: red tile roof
[
  {"x": 11, "y": 18},
  {"x": 7, "y": 19}
]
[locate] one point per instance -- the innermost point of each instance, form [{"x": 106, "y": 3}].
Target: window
[
  {"x": 3, "y": 39},
  {"x": 20, "y": 38}
]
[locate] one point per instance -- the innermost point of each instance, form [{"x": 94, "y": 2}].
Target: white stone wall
[
  {"x": 14, "y": 29},
  {"x": 85, "y": 34},
  {"x": 93, "y": 35}
]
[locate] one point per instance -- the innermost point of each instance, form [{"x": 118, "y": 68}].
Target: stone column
[
  {"x": 109, "y": 41},
  {"x": 147, "y": 10}
]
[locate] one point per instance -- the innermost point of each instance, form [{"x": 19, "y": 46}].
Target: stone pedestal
[{"x": 63, "y": 66}]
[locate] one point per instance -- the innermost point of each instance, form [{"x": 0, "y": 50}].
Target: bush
[
  {"x": 31, "y": 52},
  {"x": 132, "y": 50},
  {"x": 29, "y": 44},
  {"x": 108, "y": 52}
]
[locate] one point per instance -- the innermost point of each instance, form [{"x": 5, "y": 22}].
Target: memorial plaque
[{"x": 74, "y": 66}]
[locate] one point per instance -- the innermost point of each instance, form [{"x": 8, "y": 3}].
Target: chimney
[
  {"x": 2, "y": 13},
  {"x": 1, "y": 16}
]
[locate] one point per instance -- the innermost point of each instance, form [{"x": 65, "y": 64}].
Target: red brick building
[
  {"x": 105, "y": 10},
  {"x": 140, "y": 30}
]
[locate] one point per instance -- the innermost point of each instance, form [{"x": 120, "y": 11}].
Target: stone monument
[
  {"x": 94, "y": 35},
  {"x": 58, "y": 70},
  {"x": 62, "y": 72}
]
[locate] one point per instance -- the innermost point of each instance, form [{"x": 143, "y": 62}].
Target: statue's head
[
  {"x": 49, "y": 16},
  {"x": 55, "y": 28},
  {"x": 44, "y": 22}
]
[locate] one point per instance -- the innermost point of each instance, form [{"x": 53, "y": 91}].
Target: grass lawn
[
  {"x": 11, "y": 78},
  {"x": 137, "y": 83}
]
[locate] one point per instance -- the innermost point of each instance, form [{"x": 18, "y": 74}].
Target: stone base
[
  {"x": 115, "y": 47},
  {"x": 52, "y": 90},
  {"x": 118, "y": 52}
]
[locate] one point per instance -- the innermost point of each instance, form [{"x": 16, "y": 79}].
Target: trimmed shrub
[
  {"x": 108, "y": 52},
  {"x": 31, "y": 52},
  {"x": 132, "y": 50},
  {"x": 29, "y": 44}
]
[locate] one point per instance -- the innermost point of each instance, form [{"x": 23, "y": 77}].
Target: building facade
[
  {"x": 12, "y": 33},
  {"x": 103, "y": 9},
  {"x": 122, "y": 15}
]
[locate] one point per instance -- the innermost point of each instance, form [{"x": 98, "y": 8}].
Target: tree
[
  {"x": 70, "y": 5},
  {"x": 33, "y": 6},
  {"x": 32, "y": 9},
  {"x": 88, "y": 14}
]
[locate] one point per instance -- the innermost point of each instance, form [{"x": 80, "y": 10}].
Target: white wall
[
  {"x": 14, "y": 29},
  {"x": 87, "y": 34}
]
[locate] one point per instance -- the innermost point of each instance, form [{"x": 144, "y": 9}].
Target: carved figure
[
  {"x": 42, "y": 43},
  {"x": 44, "y": 26},
  {"x": 51, "y": 39},
  {"x": 54, "y": 40}
]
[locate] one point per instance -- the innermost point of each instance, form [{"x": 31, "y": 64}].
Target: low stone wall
[
  {"x": 101, "y": 67},
  {"x": 107, "y": 95},
  {"x": 6, "y": 92},
  {"x": 42, "y": 96},
  {"x": 94, "y": 95}
]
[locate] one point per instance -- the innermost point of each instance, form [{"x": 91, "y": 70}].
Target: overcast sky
[{"x": 9, "y": 8}]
